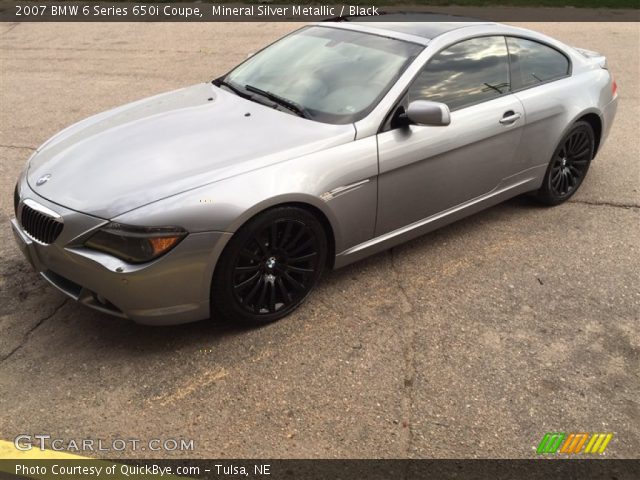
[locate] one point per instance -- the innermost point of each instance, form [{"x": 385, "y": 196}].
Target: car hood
[{"x": 142, "y": 152}]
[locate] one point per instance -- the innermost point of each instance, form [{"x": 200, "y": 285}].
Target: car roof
[{"x": 425, "y": 25}]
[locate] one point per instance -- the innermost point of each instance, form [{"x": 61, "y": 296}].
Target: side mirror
[{"x": 423, "y": 112}]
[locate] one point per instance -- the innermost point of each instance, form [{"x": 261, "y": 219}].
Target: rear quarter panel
[{"x": 551, "y": 110}]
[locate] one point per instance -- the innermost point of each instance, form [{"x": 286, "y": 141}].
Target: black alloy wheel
[
  {"x": 269, "y": 266},
  {"x": 569, "y": 165}
]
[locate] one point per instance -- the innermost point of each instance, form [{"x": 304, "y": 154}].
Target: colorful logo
[{"x": 573, "y": 443}]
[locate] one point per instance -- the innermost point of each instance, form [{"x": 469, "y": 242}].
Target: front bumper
[{"x": 172, "y": 289}]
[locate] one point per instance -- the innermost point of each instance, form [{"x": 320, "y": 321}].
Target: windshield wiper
[
  {"x": 288, "y": 104},
  {"x": 222, "y": 83}
]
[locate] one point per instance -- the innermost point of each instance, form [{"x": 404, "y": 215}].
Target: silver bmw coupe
[{"x": 339, "y": 140}]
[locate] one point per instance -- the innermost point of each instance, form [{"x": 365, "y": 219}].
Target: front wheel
[
  {"x": 269, "y": 266},
  {"x": 569, "y": 165}
]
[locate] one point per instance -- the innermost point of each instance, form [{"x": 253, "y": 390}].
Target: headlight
[{"x": 135, "y": 244}]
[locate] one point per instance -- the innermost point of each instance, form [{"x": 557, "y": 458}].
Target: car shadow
[{"x": 515, "y": 206}]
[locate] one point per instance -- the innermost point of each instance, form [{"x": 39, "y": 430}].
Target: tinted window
[
  {"x": 465, "y": 73},
  {"x": 533, "y": 63}
]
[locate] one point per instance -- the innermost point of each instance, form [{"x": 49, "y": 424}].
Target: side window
[
  {"x": 533, "y": 63},
  {"x": 468, "y": 72}
]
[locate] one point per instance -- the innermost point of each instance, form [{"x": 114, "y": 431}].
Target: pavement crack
[
  {"x": 11, "y": 27},
  {"x": 21, "y": 147},
  {"x": 606, "y": 204},
  {"x": 396, "y": 272},
  {"x": 409, "y": 348},
  {"x": 26, "y": 336}
]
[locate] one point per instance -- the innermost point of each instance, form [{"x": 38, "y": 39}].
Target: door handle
[{"x": 509, "y": 117}]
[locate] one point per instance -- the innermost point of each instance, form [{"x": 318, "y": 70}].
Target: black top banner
[{"x": 268, "y": 11}]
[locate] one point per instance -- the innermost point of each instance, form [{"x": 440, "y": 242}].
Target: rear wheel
[
  {"x": 269, "y": 266},
  {"x": 569, "y": 165}
]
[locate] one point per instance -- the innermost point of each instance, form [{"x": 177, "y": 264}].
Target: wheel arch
[
  {"x": 311, "y": 204},
  {"x": 545, "y": 194},
  {"x": 219, "y": 292},
  {"x": 592, "y": 117},
  {"x": 594, "y": 120},
  {"x": 326, "y": 225}
]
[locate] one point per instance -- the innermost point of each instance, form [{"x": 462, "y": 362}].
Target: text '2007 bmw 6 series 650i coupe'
[{"x": 229, "y": 199}]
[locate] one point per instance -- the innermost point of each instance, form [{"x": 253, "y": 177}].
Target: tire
[
  {"x": 568, "y": 166},
  {"x": 269, "y": 267}
]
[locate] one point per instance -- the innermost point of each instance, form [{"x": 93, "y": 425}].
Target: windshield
[{"x": 335, "y": 76}]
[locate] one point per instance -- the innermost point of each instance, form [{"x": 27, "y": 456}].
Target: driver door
[{"x": 427, "y": 170}]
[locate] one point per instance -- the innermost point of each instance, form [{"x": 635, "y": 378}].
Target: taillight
[{"x": 614, "y": 87}]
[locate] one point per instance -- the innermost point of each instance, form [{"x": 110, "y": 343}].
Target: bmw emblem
[{"x": 43, "y": 179}]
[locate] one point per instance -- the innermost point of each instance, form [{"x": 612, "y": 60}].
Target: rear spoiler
[{"x": 595, "y": 57}]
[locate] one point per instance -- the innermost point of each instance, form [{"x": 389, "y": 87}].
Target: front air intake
[{"x": 40, "y": 226}]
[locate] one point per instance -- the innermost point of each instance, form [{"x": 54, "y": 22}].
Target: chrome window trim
[{"x": 384, "y": 126}]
